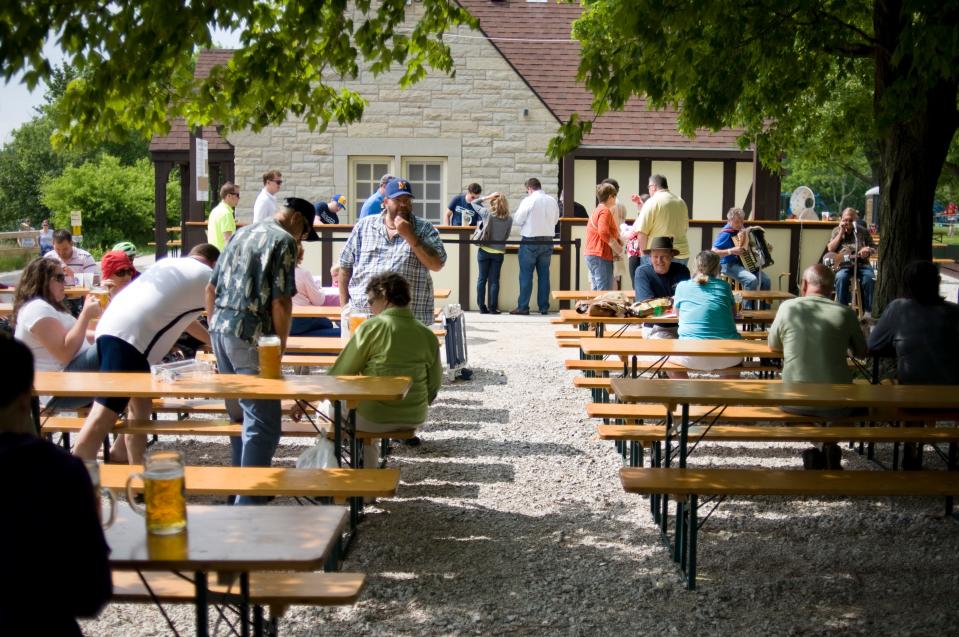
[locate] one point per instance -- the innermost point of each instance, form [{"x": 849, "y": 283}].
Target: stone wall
[{"x": 475, "y": 120}]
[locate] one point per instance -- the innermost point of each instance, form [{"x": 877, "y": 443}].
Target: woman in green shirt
[{"x": 392, "y": 343}]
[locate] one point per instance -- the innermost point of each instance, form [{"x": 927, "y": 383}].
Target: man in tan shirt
[{"x": 663, "y": 215}]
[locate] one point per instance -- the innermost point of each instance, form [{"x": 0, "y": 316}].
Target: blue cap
[
  {"x": 339, "y": 199},
  {"x": 398, "y": 187}
]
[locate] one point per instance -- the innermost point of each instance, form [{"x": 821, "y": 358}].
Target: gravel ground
[{"x": 510, "y": 520}]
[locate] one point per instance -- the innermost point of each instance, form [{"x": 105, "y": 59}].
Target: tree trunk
[{"x": 912, "y": 153}]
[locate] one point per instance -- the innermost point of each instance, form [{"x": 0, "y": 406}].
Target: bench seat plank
[
  {"x": 734, "y": 433},
  {"x": 314, "y": 589},
  {"x": 277, "y": 481},
  {"x": 761, "y": 482},
  {"x": 640, "y": 411}
]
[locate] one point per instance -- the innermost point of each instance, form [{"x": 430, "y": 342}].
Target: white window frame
[
  {"x": 358, "y": 200},
  {"x": 444, "y": 166}
]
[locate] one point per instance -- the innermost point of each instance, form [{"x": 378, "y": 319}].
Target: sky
[{"x": 17, "y": 102}]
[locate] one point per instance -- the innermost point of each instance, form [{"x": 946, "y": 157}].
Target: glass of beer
[
  {"x": 268, "y": 348},
  {"x": 93, "y": 468},
  {"x": 738, "y": 299},
  {"x": 103, "y": 296},
  {"x": 163, "y": 492},
  {"x": 356, "y": 319}
]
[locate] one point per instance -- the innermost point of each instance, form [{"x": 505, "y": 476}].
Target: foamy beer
[
  {"x": 99, "y": 493},
  {"x": 103, "y": 296},
  {"x": 356, "y": 319},
  {"x": 268, "y": 348},
  {"x": 163, "y": 493}
]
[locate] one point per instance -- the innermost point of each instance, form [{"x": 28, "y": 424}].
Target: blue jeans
[
  {"x": 261, "y": 418},
  {"x": 534, "y": 255},
  {"x": 489, "y": 267},
  {"x": 313, "y": 326},
  {"x": 867, "y": 281},
  {"x": 87, "y": 361},
  {"x": 600, "y": 272},
  {"x": 747, "y": 279}
]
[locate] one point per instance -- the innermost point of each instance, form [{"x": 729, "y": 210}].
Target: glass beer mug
[
  {"x": 163, "y": 493},
  {"x": 268, "y": 349},
  {"x": 93, "y": 468}
]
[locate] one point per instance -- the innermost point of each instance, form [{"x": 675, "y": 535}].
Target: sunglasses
[
  {"x": 123, "y": 272},
  {"x": 60, "y": 278},
  {"x": 278, "y": 182}
]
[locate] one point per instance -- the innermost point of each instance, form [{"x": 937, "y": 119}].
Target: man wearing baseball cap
[
  {"x": 251, "y": 295},
  {"x": 392, "y": 241},
  {"x": 327, "y": 212}
]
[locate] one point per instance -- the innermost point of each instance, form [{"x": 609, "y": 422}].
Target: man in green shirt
[
  {"x": 815, "y": 335},
  {"x": 222, "y": 223}
]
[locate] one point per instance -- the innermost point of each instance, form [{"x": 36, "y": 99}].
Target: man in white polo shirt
[
  {"x": 265, "y": 205},
  {"x": 138, "y": 328},
  {"x": 537, "y": 216}
]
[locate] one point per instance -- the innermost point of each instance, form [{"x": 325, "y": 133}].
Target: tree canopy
[
  {"x": 790, "y": 72},
  {"x": 135, "y": 59}
]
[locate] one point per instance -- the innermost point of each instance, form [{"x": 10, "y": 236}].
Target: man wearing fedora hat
[{"x": 659, "y": 278}]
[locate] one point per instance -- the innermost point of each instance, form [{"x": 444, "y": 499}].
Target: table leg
[
  {"x": 692, "y": 536},
  {"x": 337, "y": 432},
  {"x": 244, "y": 604},
  {"x": 683, "y": 436},
  {"x": 202, "y": 612}
]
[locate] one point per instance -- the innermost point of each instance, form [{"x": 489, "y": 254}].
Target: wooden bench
[
  {"x": 689, "y": 484},
  {"x": 738, "y": 414},
  {"x": 276, "y": 590},
  {"x": 616, "y": 365},
  {"x": 561, "y": 334},
  {"x": 207, "y": 427}
]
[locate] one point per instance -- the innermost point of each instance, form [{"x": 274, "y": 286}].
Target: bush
[{"x": 116, "y": 200}]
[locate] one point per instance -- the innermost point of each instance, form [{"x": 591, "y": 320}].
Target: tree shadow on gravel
[
  {"x": 473, "y": 448},
  {"x": 438, "y": 490},
  {"x": 466, "y": 414},
  {"x": 476, "y": 472}
]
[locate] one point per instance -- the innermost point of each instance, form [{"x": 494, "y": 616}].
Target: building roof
[
  {"x": 178, "y": 139},
  {"x": 549, "y": 68}
]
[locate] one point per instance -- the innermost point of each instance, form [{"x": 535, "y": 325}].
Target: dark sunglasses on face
[
  {"x": 59, "y": 278},
  {"x": 278, "y": 182},
  {"x": 123, "y": 272}
]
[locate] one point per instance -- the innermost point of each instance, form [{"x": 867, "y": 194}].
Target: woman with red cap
[{"x": 116, "y": 271}]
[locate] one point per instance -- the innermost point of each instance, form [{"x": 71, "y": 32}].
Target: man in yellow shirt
[
  {"x": 222, "y": 223},
  {"x": 663, "y": 215}
]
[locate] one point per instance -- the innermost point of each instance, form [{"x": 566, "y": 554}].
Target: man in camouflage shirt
[{"x": 251, "y": 295}]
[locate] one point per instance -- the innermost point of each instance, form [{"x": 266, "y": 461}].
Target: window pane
[
  {"x": 433, "y": 172},
  {"x": 363, "y": 172},
  {"x": 418, "y": 209},
  {"x": 432, "y": 191},
  {"x": 379, "y": 170},
  {"x": 432, "y": 210},
  {"x": 416, "y": 172},
  {"x": 363, "y": 190}
]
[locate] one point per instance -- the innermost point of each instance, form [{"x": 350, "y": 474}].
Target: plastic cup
[{"x": 356, "y": 319}]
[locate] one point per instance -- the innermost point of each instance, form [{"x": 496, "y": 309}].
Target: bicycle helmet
[{"x": 128, "y": 248}]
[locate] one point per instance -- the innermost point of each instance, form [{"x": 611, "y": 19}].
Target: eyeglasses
[
  {"x": 235, "y": 194},
  {"x": 278, "y": 182},
  {"x": 123, "y": 272},
  {"x": 60, "y": 278}
]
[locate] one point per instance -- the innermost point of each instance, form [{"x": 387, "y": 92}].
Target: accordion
[{"x": 755, "y": 255}]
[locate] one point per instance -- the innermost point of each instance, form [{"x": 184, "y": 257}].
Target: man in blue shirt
[
  {"x": 659, "y": 278},
  {"x": 374, "y": 203},
  {"x": 731, "y": 264},
  {"x": 462, "y": 206}
]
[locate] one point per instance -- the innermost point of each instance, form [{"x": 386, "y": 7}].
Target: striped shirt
[{"x": 369, "y": 251}]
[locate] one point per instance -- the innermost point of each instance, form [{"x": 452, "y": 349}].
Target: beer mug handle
[
  {"x": 113, "y": 507},
  {"x": 137, "y": 508}
]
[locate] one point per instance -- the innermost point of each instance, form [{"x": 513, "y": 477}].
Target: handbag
[{"x": 482, "y": 231}]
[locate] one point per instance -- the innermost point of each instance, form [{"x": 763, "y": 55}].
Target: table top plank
[
  {"x": 225, "y": 386},
  {"x": 677, "y": 347},
  {"x": 572, "y": 317},
  {"x": 230, "y": 538},
  {"x": 773, "y": 394},
  {"x": 583, "y": 295},
  {"x": 335, "y": 483}
]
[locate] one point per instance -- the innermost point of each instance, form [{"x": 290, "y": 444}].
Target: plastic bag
[{"x": 322, "y": 455}]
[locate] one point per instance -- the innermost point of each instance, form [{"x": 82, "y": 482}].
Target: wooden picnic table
[
  {"x": 229, "y": 540},
  {"x": 677, "y": 347},
  {"x": 573, "y": 317},
  {"x": 6, "y": 309},
  {"x": 748, "y": 295},
  {"x": 350, "y": 389}
]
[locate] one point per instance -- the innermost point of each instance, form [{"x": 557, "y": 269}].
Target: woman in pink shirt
[{"x": 307, "y": 294}]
